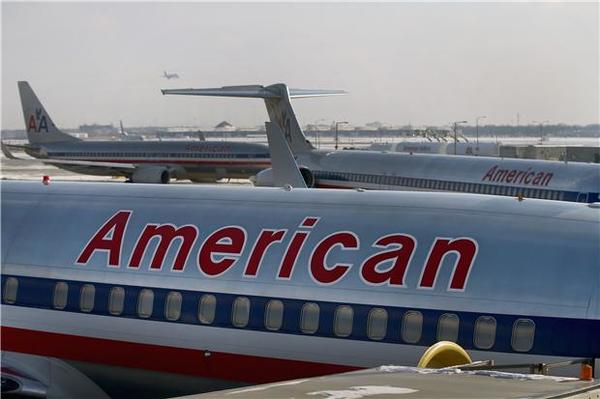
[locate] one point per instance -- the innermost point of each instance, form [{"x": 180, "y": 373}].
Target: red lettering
[
  {"x": 510, "y": 176},
  {"x": 215, "y": 245},
  {"x": 115, "y": 227},
  {"x": 31, "y": 124},
  {"x": 166, "y": 233},
  {"x": 528, "y": 177},
  {"x": 546, "y": 179},
  {"x": 538, "y": 179},
  {"x": 309, "y": 222},
  {"x": 291, "y": 254},
  {"x": 322, "y": 273},
  {"x": 465, "y": 249},
  {"x": 265, "y": 239},
  {"x": 489, "y": 174},
  {"x": 402, "y": 253}
]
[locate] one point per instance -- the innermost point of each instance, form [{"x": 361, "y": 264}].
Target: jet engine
[
  {"x": 264, "y": 178},
  {"x": 152, "y": 174}
]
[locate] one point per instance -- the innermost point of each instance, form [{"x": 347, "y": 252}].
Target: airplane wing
[
  {"x": 124, "y": 169},
  {"x": 6, "y": 149}
]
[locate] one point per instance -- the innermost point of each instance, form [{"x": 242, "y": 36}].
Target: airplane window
[
  {"x": 485, "y": 332},
  {"x": 412, "y": 326},
  {"x": 522, "y": 335},
  {"x": 447, "y": 327},
  {"x": 342, "y": 325},
  {"x": 173, "y": 306},
  {"x": 61, "y": 292},
  {"x": 116, "y": 300},
  {"x": 377, "y": 323},
  {"x": 555, "y": 195},
  {"x": 241, "y": 312},
  {"x": 274, "y": 315},
  {"x": 309, "y": 318},
  {"x": 86, "y": 297},
  {"x": 145, "y": 303},
  {"x": 206, "y": 309},
  {"x": 11, "y": 286}
]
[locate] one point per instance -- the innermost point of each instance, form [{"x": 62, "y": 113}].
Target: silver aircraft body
[
  {"x": 571, "y": 181},
  {"x": 139, "y": 161},
  {"x": 255, "y": 285}
]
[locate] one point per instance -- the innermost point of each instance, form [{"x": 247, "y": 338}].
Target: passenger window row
[
  {"x": 442, "y": 185},
  {"x": 155, "y": 155},
  {"x": 411, "y": 329}
]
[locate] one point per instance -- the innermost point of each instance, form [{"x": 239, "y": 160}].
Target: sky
[{"x": 401, "y": 63}]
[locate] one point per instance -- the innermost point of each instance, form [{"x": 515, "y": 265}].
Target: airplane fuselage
[
  {"x": 259, "y": 285},
  {"x": 572, "y": 181},
  {"x": 193, "y": 160}
]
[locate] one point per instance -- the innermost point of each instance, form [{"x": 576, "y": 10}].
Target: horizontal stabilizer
[
  {"x": 277, "y": 100},
  {"x": 253, "y": 91}
]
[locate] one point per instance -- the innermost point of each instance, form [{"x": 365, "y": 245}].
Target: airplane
[
  {"x": 170, "y": 75},
  {"x": 573, "y": 181},
  {"x": 126, "y": 136},
  {"x": 239, "y": 285},
  {"x": 139, "y": 162}
]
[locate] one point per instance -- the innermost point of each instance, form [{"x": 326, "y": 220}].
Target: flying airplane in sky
[
  {"x": 139, "y": 162},
  {"x": 170, "y": 75},
  {"x": 571, "y": 181},
  {"x": 251, "y": 285}
]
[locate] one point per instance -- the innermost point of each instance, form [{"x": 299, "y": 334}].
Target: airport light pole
[
  {"x": 337, "y": 124},
  {"x": 455, "y": 133},
  {"x": 541, "y": 128},
  {"x": 477, "y": 129}
]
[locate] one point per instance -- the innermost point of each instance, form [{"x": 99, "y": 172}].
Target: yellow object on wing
[{"x": 444, "y": 354}]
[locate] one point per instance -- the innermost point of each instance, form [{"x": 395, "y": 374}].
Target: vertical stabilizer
[
  {"x": 285, "y": 169},
  {"x": 38, "y": 125},
  {"x": 277, "y": 99}
]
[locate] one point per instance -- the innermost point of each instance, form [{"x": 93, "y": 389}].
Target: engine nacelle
[
  {"x": 264, "y": 178},
  {"x": 151, "y": 174}
]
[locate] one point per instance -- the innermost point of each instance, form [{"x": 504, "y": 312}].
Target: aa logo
[
  {"x": 37, "y": 122},
  {"x": 287, "y": 129}
]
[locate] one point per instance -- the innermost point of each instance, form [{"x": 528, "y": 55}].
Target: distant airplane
[
  {"x": 170, "y": 75},
  {"x": 237, "y": 285},
  {"x": 139, "y": 162},
  {"x": 554, "y": 180},
  {"x": 125, "y": 136}
]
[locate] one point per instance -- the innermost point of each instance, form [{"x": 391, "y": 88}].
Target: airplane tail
[
  {"x": 38, "y": 125},
  {"x": 277, "y": 100}
]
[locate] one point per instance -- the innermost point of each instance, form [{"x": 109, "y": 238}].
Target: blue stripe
[{"x": 553, "y": 336}]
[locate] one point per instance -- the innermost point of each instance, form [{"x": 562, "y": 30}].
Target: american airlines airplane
[
  {"x": 139, "y": 162},
  {"x": 250, "y": 285},
  {"x": 571, "y": 181}
]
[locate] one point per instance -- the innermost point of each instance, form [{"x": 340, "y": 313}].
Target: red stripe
[
  {"x": 227, "y": 366},
  {"x": 171, "y": 161}
]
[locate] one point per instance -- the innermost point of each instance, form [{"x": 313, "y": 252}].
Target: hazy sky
[{"x": 426, "y": 63}]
